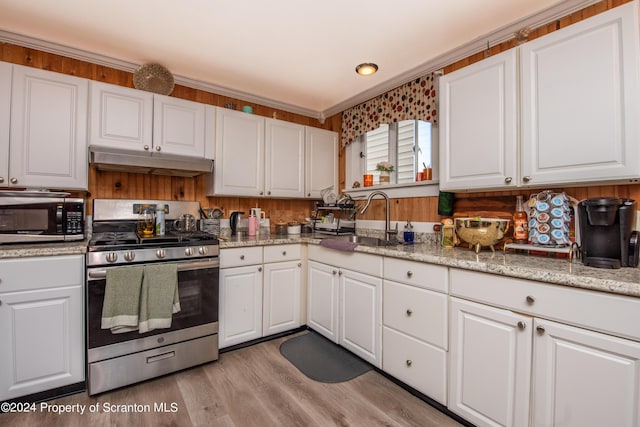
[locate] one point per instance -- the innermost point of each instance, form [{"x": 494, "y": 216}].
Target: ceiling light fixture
[{"x": 367, "y": 69}]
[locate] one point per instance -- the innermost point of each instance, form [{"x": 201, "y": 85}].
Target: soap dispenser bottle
[{"x": 408, "y": 232}]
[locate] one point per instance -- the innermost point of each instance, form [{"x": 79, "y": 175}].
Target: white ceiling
[{"x": 295, "y": 54}]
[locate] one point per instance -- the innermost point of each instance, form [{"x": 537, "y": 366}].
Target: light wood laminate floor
[{"x": 253, "y": 386}]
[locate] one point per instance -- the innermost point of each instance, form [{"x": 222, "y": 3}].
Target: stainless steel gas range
[{"x": 119, "y": 359}]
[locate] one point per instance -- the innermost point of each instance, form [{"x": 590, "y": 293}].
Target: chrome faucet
[{"x": 389, "y": 235}]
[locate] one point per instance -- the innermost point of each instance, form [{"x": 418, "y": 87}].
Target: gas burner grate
[{"x": 114, "y": 238}]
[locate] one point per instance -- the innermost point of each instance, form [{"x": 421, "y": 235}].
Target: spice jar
[{"x": 448, "y": 234}]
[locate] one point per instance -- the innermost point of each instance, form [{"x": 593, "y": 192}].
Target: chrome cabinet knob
[
  {"x": 241, "y": 256},
  {"x": 161, "y": 253},
  {"x": 340, "y": 273},
  {"x": 540, "y": 330},
  {"x": 269, "y": 193},
  {"x": 203, "y": 250},
  {"x": 409, "y": 362},
  {"x": 284, "y": 253},
  {"x": 13, "y": 180},
  {"x": 508, "y": 180},
  {"x": 261, "y": 193},
  {"x": 129, "y": 256},
  {"x": 111, "y": 257},
  {"x": 530, "y": 299},
  {"x": 1, "y": 179},
  {"x": 334, "y": 272},
  {"x": 146, "y": 148},
  {"x": 521, "y": 325},
  {"x": 259, "y": 268},
  {"x": 527, "y": 179},
  {"x": 158, "y": 148},
  {"x": 409, "y": 312},
  {"x": 299, "y": 264},
  {"x": 409, "y": 273},
  {"x": 308, "y": 194}
]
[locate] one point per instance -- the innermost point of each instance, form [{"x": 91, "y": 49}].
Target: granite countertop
[
  {"x": 624, "y": 281},
  {"x": 43, "y": 249}
]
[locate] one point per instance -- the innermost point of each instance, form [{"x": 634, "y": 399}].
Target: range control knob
[
  {"x": 188, "y": 251},
  {"x": 161, "y": 253},
  {"x": 203, "y": 250},
  {"x": 111, "y": 257},
  {"x": 129, "y": 256}
]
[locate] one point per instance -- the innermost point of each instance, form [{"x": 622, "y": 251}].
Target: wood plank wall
[
  {"x": 123, "y": 185},
  {"x": 136, "y": 186}
]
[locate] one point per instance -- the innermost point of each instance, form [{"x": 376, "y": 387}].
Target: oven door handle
[{"x": 183, "y": 266}]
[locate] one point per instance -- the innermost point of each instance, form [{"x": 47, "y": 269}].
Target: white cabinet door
[
  {"x": 584, "y": 378},
  {"x": 489, "y": 364},
  {"x": 239, "y": 168},
  {"x": 284, "y": 154},
  {"x": 5, "y": 120},
  {"x": 321, "y": 161},
  {"x": 121, "y": 117},
  {"x": 240, "y": 305},
  {"x": 178, "y": 127},
  {"x": 360, "y": 317},
  {"x": 48, "y": 130},
  {"x": 281, "y": 299},
  {"x": 41, "y": 324},
  {"x": 322, "y": 299},
  {"x": 581, "y": 101},
  {"x": 478, "y": 130}
]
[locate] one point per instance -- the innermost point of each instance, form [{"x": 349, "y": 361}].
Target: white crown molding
[
  {"x": 474, "y": 46},
  {"x": 95, "y": 58},
  {"x": 495, "y": 37}
]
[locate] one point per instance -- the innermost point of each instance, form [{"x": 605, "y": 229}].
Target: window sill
[{"x": 395, "y": 191}]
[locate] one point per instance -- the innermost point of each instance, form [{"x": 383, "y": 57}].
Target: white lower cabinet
[
  {"x": 490, "y": 364},
  {"x": 526, "y": 353},
  {"x": 584, "y": 378},
  {"x": 260, "y": 292},
  {"x": 414, "y": 332},
  {"x": 345, "y": 305},
  {"x": 41, "y": 324},
  {"x": 281, "y": 299},
  {"x": 240, "y": 305}
]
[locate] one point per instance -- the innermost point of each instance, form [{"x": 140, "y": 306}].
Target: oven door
[{"x": 198, "y": 291}]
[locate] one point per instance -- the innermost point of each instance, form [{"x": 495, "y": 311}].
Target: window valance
[{"x": 415, "y": 100}]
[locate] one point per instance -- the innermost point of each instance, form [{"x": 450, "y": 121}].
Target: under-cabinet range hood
[{"x": 148, "y": 163}]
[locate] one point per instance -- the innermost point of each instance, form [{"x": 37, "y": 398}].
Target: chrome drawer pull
[{"x": 160, "y": 357}]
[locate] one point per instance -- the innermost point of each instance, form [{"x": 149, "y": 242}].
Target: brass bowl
[{"x": 479, "y": 232}]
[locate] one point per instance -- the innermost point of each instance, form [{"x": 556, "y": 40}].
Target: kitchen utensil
[
  {"x": 146, "y": 221},
  {"x": 215, "y": 213},
  {"x": 478, "y": 231},
  {"x": 233, "y": 221},
  {"x": 185, "y": 224}
]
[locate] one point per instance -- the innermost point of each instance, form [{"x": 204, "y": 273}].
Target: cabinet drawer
[
  {"x": 419, "y": 274},
  {"x": 356, "y": 261},
  {"x": 21, "y": 274},
  {"x": 601, "y": 311},
  {"x": 418, "y": 312},
  {"x": 415, "y": 363},
  {"x": 282, "y": 253},
  {"x": 237, "y": 257}
]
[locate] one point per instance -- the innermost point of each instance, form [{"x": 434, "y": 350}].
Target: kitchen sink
[{"x": 363, "y": 240}]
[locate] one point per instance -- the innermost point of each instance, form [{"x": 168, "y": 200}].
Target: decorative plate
[{"x": 153, "y": 78}]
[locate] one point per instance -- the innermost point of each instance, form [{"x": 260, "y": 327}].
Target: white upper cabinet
[
  {"x": 129, "y": 119},
  {"x": 478, "y": 130},
  {"x": 5, "y": 119},
  {"x": 48, "y": 130},
  {"x": 178, "y": 126},
  {"x": 284, "y": 154},
  {"x": 239, "y": 168},
  {"x": 581, "y": 101},
  {"x": 121, "y": 117},
  {"x": 321, "y": 161}
]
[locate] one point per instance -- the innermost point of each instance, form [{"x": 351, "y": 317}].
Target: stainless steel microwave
[{"x": 36, "y": 218}]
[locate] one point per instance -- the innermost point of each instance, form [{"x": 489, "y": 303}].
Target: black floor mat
[{"x": 322, "y": 360}]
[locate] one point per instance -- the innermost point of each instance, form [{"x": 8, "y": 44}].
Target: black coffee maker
[{"x": 606, "y": 232}]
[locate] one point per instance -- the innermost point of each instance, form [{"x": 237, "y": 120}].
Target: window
[{"x": 406, "y": 145}]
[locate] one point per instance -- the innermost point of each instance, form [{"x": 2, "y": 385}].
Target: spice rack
[{"x": 334, "y": 218}]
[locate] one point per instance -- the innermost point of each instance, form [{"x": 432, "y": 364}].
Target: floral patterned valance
[{"x": 415, "y": 100}]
